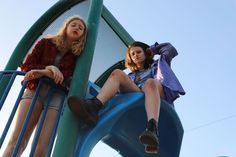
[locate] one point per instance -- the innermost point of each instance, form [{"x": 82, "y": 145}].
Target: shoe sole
[
  {"x": 77, "y": 107},
  {"x": 148, "y": 139},
  {"x": 151, "y": 149}
]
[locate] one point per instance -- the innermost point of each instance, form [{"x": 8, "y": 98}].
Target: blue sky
[{"x": 203, "y": 32}]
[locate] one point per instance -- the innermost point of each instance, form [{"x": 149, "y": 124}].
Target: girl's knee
[
  {"x": 152, "y": 84},
  {"x": 117, "y": 73},
  {"x": 12, "y": 145},
  {"x": 13, "y": 140}
]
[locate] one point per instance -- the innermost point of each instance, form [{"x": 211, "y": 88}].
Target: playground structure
[{"x": 113, "y": 127}]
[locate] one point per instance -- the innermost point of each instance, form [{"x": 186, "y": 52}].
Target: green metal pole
[{"x": 69, "y": 125}]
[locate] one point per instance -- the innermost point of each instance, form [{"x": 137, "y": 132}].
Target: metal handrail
[{"x": 54, "y": 88}]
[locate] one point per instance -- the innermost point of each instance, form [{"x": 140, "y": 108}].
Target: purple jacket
[{"x": 162, "y": 71}]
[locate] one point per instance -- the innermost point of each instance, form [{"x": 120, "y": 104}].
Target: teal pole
[{"x": 69, "y": 125}]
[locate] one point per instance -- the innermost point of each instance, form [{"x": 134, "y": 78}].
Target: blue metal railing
[
  {"x": 8, "y": 87},
  {"x": 54, "y": 88}
]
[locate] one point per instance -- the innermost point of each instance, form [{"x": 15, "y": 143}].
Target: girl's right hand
[
  {"x": 33, "y": 74},
  {"x": 149, "y": 52}
]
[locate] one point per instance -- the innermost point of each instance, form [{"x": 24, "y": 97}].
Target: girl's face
[
  {"x": 137, "y": 55},
  {"x": 75, "y": 30}
]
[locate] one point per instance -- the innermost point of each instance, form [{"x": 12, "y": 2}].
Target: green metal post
[{"x": 69, "y": 124}]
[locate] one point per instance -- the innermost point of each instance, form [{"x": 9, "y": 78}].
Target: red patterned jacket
[{"x": 44, "y": 54}]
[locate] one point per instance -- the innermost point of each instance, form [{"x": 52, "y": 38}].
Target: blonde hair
[{"x": 60, "y": 38}]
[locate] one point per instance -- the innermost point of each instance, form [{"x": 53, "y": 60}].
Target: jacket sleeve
[
  {"x": 33, "y": 60},
  {"x": 165, "y": 49}
]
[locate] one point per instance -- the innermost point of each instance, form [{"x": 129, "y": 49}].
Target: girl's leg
[
  {"x": 153, "y": 92},
  {"x": 48, "y": 126},
  {"x": 88, "y": 109},
  {"x": 18, "y": 123},
  {"x": 118, "y": 81},
  {"x": 46, "y": 132}
]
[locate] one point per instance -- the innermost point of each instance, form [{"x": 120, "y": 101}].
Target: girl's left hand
[{"x": 57, "y": 74}]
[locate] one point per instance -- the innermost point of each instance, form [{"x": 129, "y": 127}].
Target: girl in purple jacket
[{"x": 152, "y": 77}]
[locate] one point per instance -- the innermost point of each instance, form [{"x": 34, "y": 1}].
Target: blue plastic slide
[{"x": 122, "y": 120}]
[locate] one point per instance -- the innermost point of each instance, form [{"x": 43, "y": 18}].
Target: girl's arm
[
  {"x": 33, "y": 60},
  {"x": 51, "y": 72},
  {"x": 166, "y": 49}
]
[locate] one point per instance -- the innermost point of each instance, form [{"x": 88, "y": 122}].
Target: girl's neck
[
  {"x": 140, "y": 66},
  {"x": 69, "y": 43}
]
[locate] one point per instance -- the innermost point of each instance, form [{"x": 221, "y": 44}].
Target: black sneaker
[
  {"x": 149, "y": 138},
  {"x": 151, "y": 149},
  {"x": 86, "y": 110}
]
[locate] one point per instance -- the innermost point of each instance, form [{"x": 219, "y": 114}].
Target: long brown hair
[
  {"x": 60, "y": 38},
  {"x": 128, "y": 60}
]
